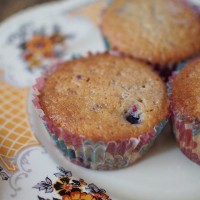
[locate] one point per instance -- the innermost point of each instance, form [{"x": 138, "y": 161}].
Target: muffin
[
  {"x": 185, "y": 106},
  {"x": 103, "y": 111},
  {"x": 161, "y": 32}
]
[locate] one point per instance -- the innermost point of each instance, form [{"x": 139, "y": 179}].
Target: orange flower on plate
[
  {"x": 79, "y": 196},
  {"x": 82, "y": 182},
  {"x": 34, "y": 63},
  {"x": 40, "y": 45},
  {"x": 101, "y": 196},
  {"x": 28, "y": 56}
]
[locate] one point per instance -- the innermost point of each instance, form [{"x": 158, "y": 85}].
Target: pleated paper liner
[{"x": 186, "y": 129}]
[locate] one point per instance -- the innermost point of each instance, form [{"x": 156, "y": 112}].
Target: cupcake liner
[
  {"x": 86, "y": 153},
  {"x": 186, "y": 129}
]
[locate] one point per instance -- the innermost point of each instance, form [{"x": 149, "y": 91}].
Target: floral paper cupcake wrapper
[
  {"x": 100, "y": 155},
  {"x": 186, "y": 130}
]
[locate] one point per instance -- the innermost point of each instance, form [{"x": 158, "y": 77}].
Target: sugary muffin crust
[
  {"x": 158, "y": 31},
  {"x": 105, "y": 98},
  {"x": 186, "y": 91}
]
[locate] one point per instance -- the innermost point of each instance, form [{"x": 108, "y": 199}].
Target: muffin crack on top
[{"x": 104, "y": 97}]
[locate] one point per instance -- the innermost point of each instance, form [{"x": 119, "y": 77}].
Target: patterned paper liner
[
  {"x": 186, "y": 129},
  {"x": 99, "y": 155}
]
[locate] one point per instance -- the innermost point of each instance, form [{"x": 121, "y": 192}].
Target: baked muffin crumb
[{"x": 105, "y": 98}]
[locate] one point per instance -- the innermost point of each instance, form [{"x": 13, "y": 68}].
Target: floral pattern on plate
[
  {"x": 4, "y": 176},
  {"x": 44, "y": 41},
  {"x": 70, "y": 188},
  {"x": 40, "y": 50}
]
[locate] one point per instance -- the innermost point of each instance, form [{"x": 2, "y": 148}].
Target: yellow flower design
[
  {"x": 102, "y": 196},
  {"x": 78, "y": 196},
  {"x": 41, "y": 45},
  {"x": 41, "y": 49},
  {"x": 34, "y": 63}
]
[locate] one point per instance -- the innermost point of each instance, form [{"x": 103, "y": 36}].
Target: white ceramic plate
[{"x": 164, "y": 173}]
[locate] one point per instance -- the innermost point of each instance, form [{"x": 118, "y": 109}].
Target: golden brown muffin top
[
  {"x": 186, "y": 91},
  {"x": 105, "y": 98},
  {"x": 158, "y": 31}
]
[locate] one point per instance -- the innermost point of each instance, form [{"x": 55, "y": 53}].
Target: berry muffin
[
  {"x": 161, "y": 32},
  {"x": 103, "y": 111},
  {"x": 185, "y": 106}
]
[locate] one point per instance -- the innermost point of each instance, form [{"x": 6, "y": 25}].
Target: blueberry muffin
[
  {"x": 103, "y": 111},
  {"x": 162, "y": 32},
  {"x": 185, "y": 106}
]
